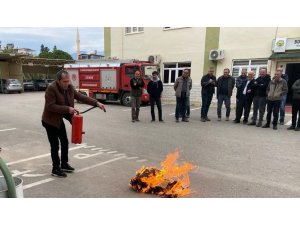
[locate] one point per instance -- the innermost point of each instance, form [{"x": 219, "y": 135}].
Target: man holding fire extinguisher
[{"x": 59, "y": 104}]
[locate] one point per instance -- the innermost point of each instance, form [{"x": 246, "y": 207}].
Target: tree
[
  {"x": 55, "y": 54},
  {"x": 42, "y": 48}
]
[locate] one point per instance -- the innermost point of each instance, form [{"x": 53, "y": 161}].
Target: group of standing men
[{"x": 261, "y": 92}]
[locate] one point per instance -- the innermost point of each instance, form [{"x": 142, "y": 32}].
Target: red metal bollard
[{"x": 77, "y": 124}]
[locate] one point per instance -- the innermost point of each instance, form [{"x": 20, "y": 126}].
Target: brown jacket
[{"x": 55, "y": 108}]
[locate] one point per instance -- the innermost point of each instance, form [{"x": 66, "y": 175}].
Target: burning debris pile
[{"x": 172, "y": 180}]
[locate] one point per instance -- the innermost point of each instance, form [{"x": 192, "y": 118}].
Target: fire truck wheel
[{"x": 126, "y": 99}]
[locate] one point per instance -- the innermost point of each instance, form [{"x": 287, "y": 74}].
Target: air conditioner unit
[
  {"x": 216, "y": 54},
  {"x": 154, "y": 59}
]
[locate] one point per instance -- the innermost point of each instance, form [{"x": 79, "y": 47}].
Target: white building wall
[
  {"x": 174, "y": 45},
  {"x": 188, "y": 44},
  {"x": 244, "y": 43}
]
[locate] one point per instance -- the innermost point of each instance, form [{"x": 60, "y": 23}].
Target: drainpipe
[{"x": 9, "y": 179}]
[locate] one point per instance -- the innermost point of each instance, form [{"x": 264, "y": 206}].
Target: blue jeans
[
  {"x": 282, "y": 108},
  {"x": 206, "y": 100},
  {"x": 221, "y": 99},
  {"x": 181, "y": 107},
  {"x": 273, "y": 107}
]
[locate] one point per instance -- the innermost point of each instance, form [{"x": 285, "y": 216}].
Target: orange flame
[{"x": 171, "y": 180}]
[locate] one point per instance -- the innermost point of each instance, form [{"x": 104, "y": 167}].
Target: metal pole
[{"x": 9, "y": 179}]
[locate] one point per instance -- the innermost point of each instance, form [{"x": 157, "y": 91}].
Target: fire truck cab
[{"x": 109, "y": 79}]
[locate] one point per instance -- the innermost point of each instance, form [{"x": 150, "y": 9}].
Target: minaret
[{"x": 78, "y": 44}]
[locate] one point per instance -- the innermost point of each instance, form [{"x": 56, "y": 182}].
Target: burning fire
[{"x": 172, "y": 180}]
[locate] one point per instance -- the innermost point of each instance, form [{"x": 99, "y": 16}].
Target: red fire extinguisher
[{"x": 77, "y": 125}]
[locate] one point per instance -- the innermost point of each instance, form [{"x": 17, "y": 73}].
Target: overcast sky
[{"x": 64, "y": 38}]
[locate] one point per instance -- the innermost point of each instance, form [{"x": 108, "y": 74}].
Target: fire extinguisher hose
[{"x": 89, "y": 110}]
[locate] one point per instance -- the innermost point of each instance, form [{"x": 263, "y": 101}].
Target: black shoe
[
  {"x": 291, "y": 128},
  {"x": 203, "y": 120},
  {"x": 67, "y": 168},
  {"x": 177, "y": 120},
  {"x": 297, "y": 128},
  {"x": 245, "y": 121},
  {"x": 274, "y": 127},
  {"x": 236, "y": 121},
  {"x": 207, "y": 119},
  {"x": 133, "y": 121},
  {"x": 137, "y": 120},
  {"x": 162, "y": 121},
  {"x": 281, "y": 122},
  {"x": 258, "y": 124},
  {"x": 252, "y": 123},
  {"x": 266, "y": 126},
  {"x": 58, "y": 173},
  {"x": 185, "y": 120}
]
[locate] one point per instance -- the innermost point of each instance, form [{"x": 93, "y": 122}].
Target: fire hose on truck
[{"x": 77, "y": 125}]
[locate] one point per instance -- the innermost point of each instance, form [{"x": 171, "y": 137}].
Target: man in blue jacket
[{"x": 155, "y": 88}]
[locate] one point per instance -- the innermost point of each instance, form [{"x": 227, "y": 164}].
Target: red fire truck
[{"x": 109, "y": 79}]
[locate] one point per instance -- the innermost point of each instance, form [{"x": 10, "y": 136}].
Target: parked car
[
  {"x": 40, "y": 85},
  {"x": 28, "y": 85},
  {"x": 49, "y": 81},
  {"x": 10, "y": 85}
]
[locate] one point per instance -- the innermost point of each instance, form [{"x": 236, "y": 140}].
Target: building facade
[{"x": 196, "y": 48}]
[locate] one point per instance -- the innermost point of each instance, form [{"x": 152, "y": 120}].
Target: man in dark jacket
[
  {"x": 59, "y": 104},
  {"x": 238, "y": 83},
  {"x": 295, "y": 106},
  {"x": 260, "y": 97},
  {"x": 225, "y": 85},
  {"x": 155, "y": 88},
  {"x": 276, "y": 89},
  {"x": 283, "y": 99},
  {"x": 208, "y": 83},
  {"x": 244, "y": 98},
  {"x": 136, "y": 84}
]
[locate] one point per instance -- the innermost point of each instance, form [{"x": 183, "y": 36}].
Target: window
[
  {"x": 174, "y": 70},
  {"x": 130, "y": 70},
  {"x": 253, "y": 64},
  {"x": 134, "y": 30}
]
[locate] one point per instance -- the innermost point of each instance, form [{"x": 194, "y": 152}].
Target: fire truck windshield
[{"x": 147, "y": 71}]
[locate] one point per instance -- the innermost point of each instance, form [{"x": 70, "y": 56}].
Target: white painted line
[
  {"x": 8, "y": 129},
  {"x": 94, "y": 149},
  {"x": 78, "y": 171},
  {"x": 92, "y": 146},
  {"x": 134, "y": 157},
  {"x": 85, "y": 155},
  {"x": 40, "y": 156},
  {"x": 142, "y": 160},
  {"x": 18, "y": 173},
  {"x": 37, "y": 183},
  {"x": 104, "y": 150},
  {"x": 120, "y": 154},
  {"x": 35, "y": 175},
  {"x": 289, "y": 123},
  {"x": 111, "y": 152},
  {"x": 99, "y": 164},
  {"x": 190, "y": 110}
]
